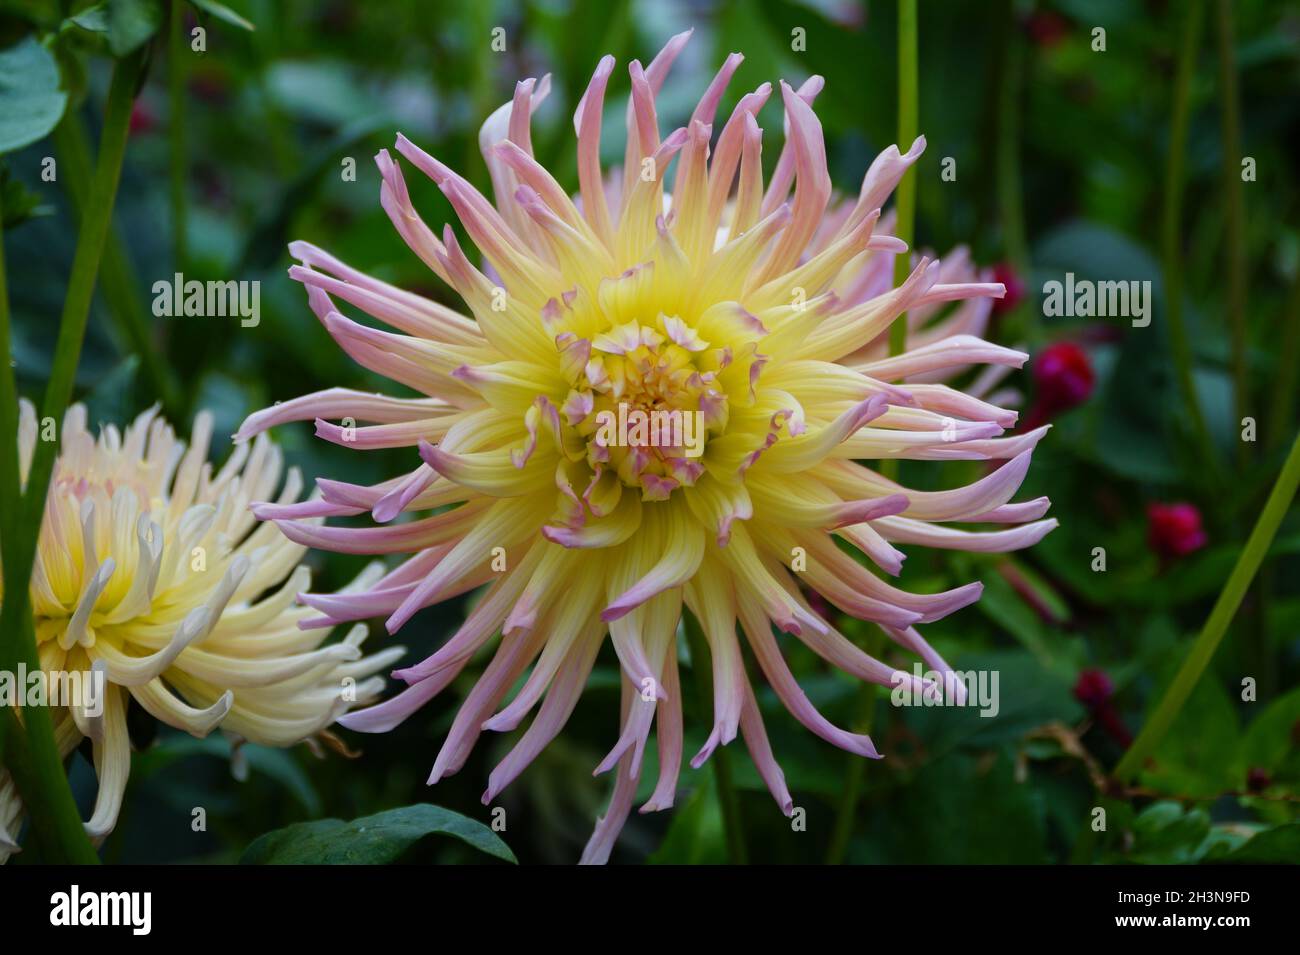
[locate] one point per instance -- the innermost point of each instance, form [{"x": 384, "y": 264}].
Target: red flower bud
[
  {"x": 1093, "y": 688},
  {"x": 142, "y": 119},
  {"x": 1005, "y": 273},
  {"x": 1046, "y": 28},
  {"x": 1063, "y": 378},
  {"x": 1258, "y": 779},
  {"x": 1174, "y": 530}
]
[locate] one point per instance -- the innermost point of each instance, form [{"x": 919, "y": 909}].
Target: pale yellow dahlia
[
  {"x": 613, "y": 339},
  {"x": 153, "y": 572}
]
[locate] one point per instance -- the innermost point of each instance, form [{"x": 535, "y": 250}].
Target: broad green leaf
[
  {"x": 1270, "y": 846},
  {"x": 373, "y": 840},
  {"x": 276, "y": 764},
  {"x": 31, "y": 103}
]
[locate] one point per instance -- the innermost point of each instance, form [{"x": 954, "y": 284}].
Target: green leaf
[
  {"x": 374, "y": 840},
  {"x": 94, "y": 19},
  {"x": 31, "y": 103},
  {"x": 1166, "y": 834},
  {"x": 223, "y": 12},
  {"x": 276, "y": 764},
  {"x": 961, "y": 809},
  {"x": 20, "y": 203},
  {"x": 695, "y": 836},
  {"x": 132, "y": 23},
  {"x": 1268, "y": 738},
  {"x": 1202, "y": 757},
  {"x": 1270, "y": 846}
]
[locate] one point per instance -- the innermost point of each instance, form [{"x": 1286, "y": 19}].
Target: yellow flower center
[{"x": 650, "y": 390}]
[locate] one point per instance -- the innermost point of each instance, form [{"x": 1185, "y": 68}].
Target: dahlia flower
[
  {"x": 762, "y": 313},
  {"x": 151, "y": 571}
]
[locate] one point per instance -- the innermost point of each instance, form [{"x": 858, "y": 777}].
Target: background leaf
[
  {"x": 31, "y": 103},
  {"x": 374, "y": 840}
]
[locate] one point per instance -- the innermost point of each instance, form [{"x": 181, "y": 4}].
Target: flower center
[{"x": 650, "y": 401}]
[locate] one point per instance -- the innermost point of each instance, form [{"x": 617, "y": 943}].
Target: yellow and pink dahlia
[
  {"x": 662, "y": 398},
  {"x": 153, "y": 582}
]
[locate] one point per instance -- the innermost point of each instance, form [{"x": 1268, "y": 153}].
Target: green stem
[
  {"x": 117, "y": 277},
  {"x": 1011, "y": 213},
  {"x": 905, "y": 203},
  {"x": 1284, "y": 391},
  {"x": 57, "y": 829},
  {"x": 1217, "y": 625},
  {"x": 1172, "y": 229},
  {"x": 177, "y": 51},
  {"x": 1234, "y": 229},
  {"x": 721, "y": 759},
  {"x": 905, "y": 194},
  {"x": 10, "y": 480},
  {"x": 32, "y": 756},
  {"x": 847, "y": 813}
]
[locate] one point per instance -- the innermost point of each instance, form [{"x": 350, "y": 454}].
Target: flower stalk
[
  {"x": 117, "y": 276},
  {"x": 1172, "y": 229},
  {"x": 32, "y": 754},
  {"x": 1225, "y": 607},
  {"x": 908, "y": 124},
  {"x": 176, "y": 75},
  {"x": 1234, "y": 215}
]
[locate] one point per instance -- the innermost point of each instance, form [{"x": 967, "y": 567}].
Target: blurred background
[{"x": 1061, "y": 159}]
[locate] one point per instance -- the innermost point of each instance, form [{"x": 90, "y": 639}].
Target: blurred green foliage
[{"x": 272, "y": 115}]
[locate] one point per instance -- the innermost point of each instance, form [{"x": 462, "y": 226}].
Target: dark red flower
[
  {"x": 1063, "y": 379},
  {"x": 1174, "y": 530},
  {"x": 1046, "y": 28},
  {"x": 1258, "y": 779},
  {"x": 1005, "y": 273},
  {"x": 142, "y": 119},
  {"x": 1093, "y": 688}
]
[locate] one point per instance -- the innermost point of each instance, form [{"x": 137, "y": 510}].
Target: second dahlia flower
[
  {"x": 154, "y": 583},
  {"x": 661, "y": 400}
]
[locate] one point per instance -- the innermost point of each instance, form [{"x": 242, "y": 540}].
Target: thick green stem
[
  {"x": 57, "y": 828},
  {"x": 32, "y": 756},
  {"x": 117, "y": 277},
  {"x": 721, "y": 759},
  {"x": 177, "y": 51},
  {"x": 1172, "y": 228},
  {"x": 1234, "y": 218},
  {"x": 1202, "y": 651}
]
